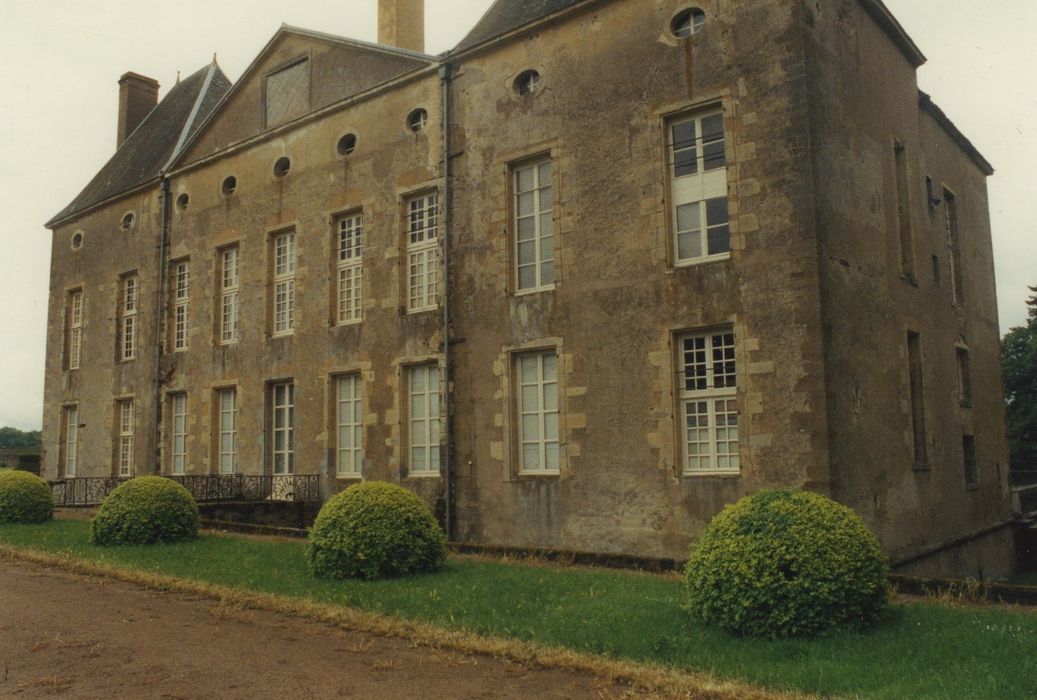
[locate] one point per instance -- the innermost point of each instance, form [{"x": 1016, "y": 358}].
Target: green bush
[
  {"x": 24, "y": 498},
  {"x": 374, "y": 530},
  {"x": 785, "y": 564},
  {"x": 146, "y": 510}
]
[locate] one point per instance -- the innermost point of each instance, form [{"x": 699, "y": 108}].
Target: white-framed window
[
  {"x": 178, "y": 406},
  {"x": 349, "y": 421},
  {"x": 74, "y": 309},
  {"x": 227, "y": 447},
  {"x": 951, "y": 224},
  {"x": 70, "y": 458},
  {"x": 229, "y": 283},
  {"x": 698, "y": 187},
  {"x": 708, "y": 403},
  {"x": 282, "y": 427},
  {"x": 422, "y": 252},
  {"x": 536, "y": 375},
  {"x": 181, "y": 304},
  {"x": 349, "y": 232},
  {"x": 125, "y": 425},
  {"x": 423, "y": 419},
  {"x": 129, "y": 302},
  {"x": 534, "y": 231},
  {"x": 284, "y": 283}
]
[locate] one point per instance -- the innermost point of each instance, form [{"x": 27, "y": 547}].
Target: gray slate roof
[
  {"x": 506, "y": 15},
  {"x": 143, "y": 155}
]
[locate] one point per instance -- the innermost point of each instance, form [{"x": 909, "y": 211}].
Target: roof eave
[
  {"x": 927, "y": 104},
  {"x": 896, "y": 32}
]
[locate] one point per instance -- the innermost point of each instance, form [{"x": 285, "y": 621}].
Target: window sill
[
  {"x": 422, "y": 310},
  {"x": 228, "y": 344},
  {"x": 539, "y": 475},
  {"x": 712, "y": 475},
  {"x": 422, "y": 475},
  {"x": 697, "y": 262},
  {"x": 349, "y": 477},
  {"x": 530, "y": 292},
  {"x": 920, "y": 467},
  {"x": 347, "y": 324},
  {"x": 282, "y": 336},
  {"x": 972, "y": 487},
  {"x": 965, "y": 404}
]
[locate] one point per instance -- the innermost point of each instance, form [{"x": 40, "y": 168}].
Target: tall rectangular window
[
  {"x": 350, "y": 267},
  {"x": 423, "y": 419},
  {"x": 538, "y": 424},
  {"x": 708, "y": 386},
  {"x": 917, "y": 387},
  {"x": 698, "y": 187},
  {"x": 70, "y": 442},
  {"x": 129, "y": 299},
  {"x": 964, "y": 376},
  {"x": 349, "y": 419},
  {"x": 124, "y": 417},
  {"x": 968, "y": 448},
  {"x": 178, "y": 406},
  {"x": 954, "y": 246},
  {"x": 181, "y": 304},
  {"x": 284, "y": 283},
  {"x": 227, "y": 447},
  {"x": 74, "y": 323},
  {"x": 422, "y": 252},
  {"x": 534, "y": 226},
  {"x": 282, "y": 427},
  {"x": 229, "y": 282},
  {"x": 907, "y": 257}
]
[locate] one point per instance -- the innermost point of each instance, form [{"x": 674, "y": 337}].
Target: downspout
[
  {"x": 445, "y": 74},
  {"x": 159, "y": 308}
]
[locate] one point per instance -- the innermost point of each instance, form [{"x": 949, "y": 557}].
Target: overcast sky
[{"x": 60, "y": 60}]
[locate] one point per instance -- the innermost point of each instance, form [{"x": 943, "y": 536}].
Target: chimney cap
[{"x": 130, "y": 76}]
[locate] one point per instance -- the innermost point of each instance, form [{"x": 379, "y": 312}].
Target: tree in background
[
  {"x": 1019, "y": 356},
  {"x": 14, "y": 439}
]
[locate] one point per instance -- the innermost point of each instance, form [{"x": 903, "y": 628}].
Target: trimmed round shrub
[
  {"x": 24, "y": 498},
  {"x": 146, "y": 510},
  {"x": 374, "y": 530},
  {"x": 786, "y": 564}
]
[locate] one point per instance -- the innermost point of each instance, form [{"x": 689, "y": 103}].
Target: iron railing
[{"x": 207, "y": 488}]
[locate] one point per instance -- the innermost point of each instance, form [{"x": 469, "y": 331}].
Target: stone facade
[{"x": 835, "y": 255}]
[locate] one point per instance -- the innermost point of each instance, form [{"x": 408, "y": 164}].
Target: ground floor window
[
  {"x": 282, "y": 424},
  {"x": 708, "y": 403},
  {"x": 538, "y": 414},
  {"x": 349, "y": 419},
  {"x": 124, "y": 412},
  {"x": 423, "y": 419}
]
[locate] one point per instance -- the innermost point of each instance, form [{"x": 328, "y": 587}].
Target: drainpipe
[
  {"x": 159, "y": 308},
  {"x": 445, "y": 74}
]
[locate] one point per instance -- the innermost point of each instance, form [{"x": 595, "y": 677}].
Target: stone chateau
[{"x": 601, "y": 269}]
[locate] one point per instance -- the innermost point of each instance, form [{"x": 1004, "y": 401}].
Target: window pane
[
  {"x": 719, "y": 240},
  {"x": 716, "y": 211},
  {"x": 527, "y": 277},
  {"x": 524, "y": 179},
  {"x": 525, "y": 204},
  {"x": 545, "y": 174},
  {"x": 530, "y": 426},
  {"x": 688, "y": 217},
  {"x": 689, "y": 245}
]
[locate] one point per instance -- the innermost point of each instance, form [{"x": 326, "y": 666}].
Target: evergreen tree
[{"x": 1019, "y": 357}]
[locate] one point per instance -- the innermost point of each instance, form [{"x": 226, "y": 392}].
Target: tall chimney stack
[
  {"x": 138, "y": 95},
  {"x": 401, "y": 23}
]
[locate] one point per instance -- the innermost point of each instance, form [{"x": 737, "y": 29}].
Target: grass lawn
[{"x": 920, "y": 651}]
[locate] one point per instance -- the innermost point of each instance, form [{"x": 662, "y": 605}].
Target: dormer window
[{"x": 288, "y": 92}]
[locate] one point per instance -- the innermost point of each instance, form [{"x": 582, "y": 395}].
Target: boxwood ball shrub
[
  {"x": 146, "y": 510},
  {"x": 24, "y": 498},
  {"x": 374, "y": 530},
  {"x": 786, "y": 564}
]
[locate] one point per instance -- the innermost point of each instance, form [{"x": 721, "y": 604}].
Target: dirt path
[{"x": 63, "y": 635}]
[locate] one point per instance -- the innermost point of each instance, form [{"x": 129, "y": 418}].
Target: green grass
[{"x": 919, "y": 651}]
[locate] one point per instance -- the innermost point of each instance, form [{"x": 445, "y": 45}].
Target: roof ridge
[
  {"x": 189, "y": 122},
  {"x": 360, "y": 43}
]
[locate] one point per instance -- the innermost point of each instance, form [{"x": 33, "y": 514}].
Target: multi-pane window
[
  {"x": 964, "y": 376},
  {"x": 284, "y": 283},
  {"x": 229, "y": 282},
  {"x": 178, "y": 404},
  {"x": 708, "y": 403},
  {"x": 423, "y": 419},
  {"x": 951, "y": 224},
  {"x": 698, "y": 182},
  {"x": 181, "y": 304},
  {"x": 349, "y": 420},
  {"x": 129, "y": 302},
  {"x": 534, "y": 226},
  {"x": 227, "y": 447},
  {"x": 74, "y": 310},
  {"x": 350, "y": 267},
  {"x": 422, "y": 231},
  {"x": 282, "y": 424},
  {"x": 70, "y": 458},
  {"x": 538, "y": 427},
  {"x": 124, "y": 416}
]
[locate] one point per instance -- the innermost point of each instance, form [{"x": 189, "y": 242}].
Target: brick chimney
[
  {"x": 401, "y": 23},
  {"x": 138, "y": 95}
]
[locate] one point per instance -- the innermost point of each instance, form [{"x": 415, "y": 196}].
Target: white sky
[{"x": 60, "y": 60}]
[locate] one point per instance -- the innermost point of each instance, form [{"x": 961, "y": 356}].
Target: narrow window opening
[
  {"x": 968, "y": 448},
  {"x": 907, "y": 258},
  {"x": 964, "y": 377},
  {"x": 917, "y": 389},
  {"x": 954, "y": 247}
]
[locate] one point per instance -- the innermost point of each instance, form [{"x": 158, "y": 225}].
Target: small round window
[
  {"x": 688, "y": 22},
  {"x": 347, "y": 144},
  {"x": 229, "y": 185},
  {"x": 417, "y": 120},
  {"x": 182, "y": 201},
  {"x": 127, "y": 221},
  {"x": 282, "y": 166},
  {"x": 77, "y": 240},
  {"x": 526, "y": 83}
]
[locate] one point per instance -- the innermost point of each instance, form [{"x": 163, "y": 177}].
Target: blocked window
[
  {"x": 539, "y": 444},
  {"x": 904, "y": 200},
  {"x": 964, "y": 376},
  {"x": 917, "y": 396},
  {"x": 349, "y": 426},
  {"x": 178, "y": 433},
  {"x": 228, "y": 293},
  {"x": 227, "y": 420},
  {"x": 533, "y": 226},
  {"x": 698, "y": 186},
  {"x": 423, "y": 422},
  {"x": 968, "y": 449},
  {"x": 181, "y": 304},
  {"x": 349, "y": 230},
  {"x": 288, "y": 93},
  {"x": 707, "y": 381},
  {"x": 282, "y": 428},
  {"x": 124, "y": 424},
  {"x": 129, "y": 302},
  {"x": 422, "y": 231},
  {"x": 284, "y": 283},
  {"x": 74, "y": 325}
]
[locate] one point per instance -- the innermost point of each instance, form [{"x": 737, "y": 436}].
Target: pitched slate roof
[
  {"x": 155, "y": 142},
  {"x": 507, "y": 15}
]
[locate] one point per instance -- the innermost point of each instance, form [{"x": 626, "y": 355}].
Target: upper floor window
[
  {"x": 951, "y": 224},
  {"x": 229, "y": 282},
  {"x": 708, "y": 403},
  {"x": 422, "y": 231},
  {"x": 128, "y": 307},
  {"x": 74, "y": 324},
  {"x": 181, "y": 304},
  {"x": 350, "y": 267},
  {"x": 534, "y": 226},
  {"x": 964, "y": 376},
  {"x": 698, "y": 188},
  {"x": 284, "y": 283}
]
